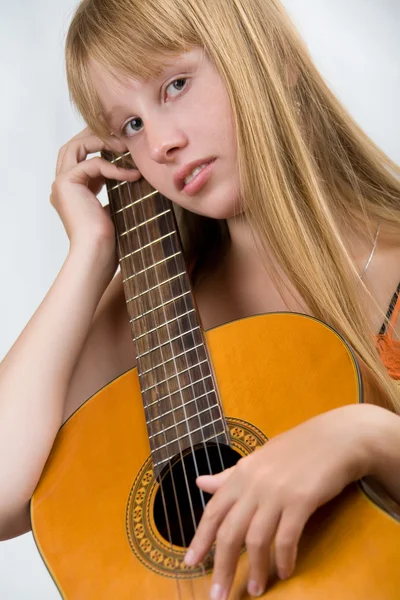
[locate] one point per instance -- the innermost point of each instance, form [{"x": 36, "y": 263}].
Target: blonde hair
[{"x": 302, "y": 177}]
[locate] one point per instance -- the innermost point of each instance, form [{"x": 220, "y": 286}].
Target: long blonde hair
[{"x": 301, "y": 176}]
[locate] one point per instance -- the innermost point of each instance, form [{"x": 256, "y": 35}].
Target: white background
[{"x": 355, "y": 44}]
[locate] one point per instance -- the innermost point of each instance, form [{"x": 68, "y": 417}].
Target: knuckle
[
  {"x": 255, "y": 542},
  {"x": 241, "y": 465},
  {"x": 283, "y": 544},
  {"x": 210, "y": 512},
  {"x": 97, "y": 161},
  {"x": 225, "y": 537},
  {"x": 62, "y": 150},
  {"x": 302, "y": 496},
  {"x": 287, "y": 538},
  {"x": 54, "y": 190}
]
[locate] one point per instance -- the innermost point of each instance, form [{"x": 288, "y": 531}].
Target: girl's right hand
[{"x": 73, "y": 193}]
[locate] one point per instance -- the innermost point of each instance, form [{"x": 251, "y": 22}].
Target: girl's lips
[{"x": 200, "y": 180}]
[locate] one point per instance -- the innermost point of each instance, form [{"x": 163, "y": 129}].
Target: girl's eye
[
  {"x": 134, "y": 125},
  {"x": 181, "y": 84}
]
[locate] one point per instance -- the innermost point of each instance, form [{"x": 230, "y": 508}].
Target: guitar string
[
  {"x": 201, "y": 369},
  {"x": 181, "y": 334},
  {"x": 121, "y": 253},
  {"x": 148, "y": 319},
  {"x": 187, "y": 364},
  {"x": 167, "y": 383},
  {"x": 214, "y": 390},
  {"x": 157, "y": 323},
  {"x": 206, "y": 393},
  {"x": 185, "y": 355}
]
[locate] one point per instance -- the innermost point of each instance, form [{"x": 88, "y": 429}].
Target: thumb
[{"x": 211, "y": 483}]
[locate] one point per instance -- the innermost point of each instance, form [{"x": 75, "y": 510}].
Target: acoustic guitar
[{"x": 117, "y": 503}]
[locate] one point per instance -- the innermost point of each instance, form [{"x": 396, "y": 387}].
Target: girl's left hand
[{"x": 270, "y": 495}]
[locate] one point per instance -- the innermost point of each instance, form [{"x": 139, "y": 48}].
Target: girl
[{"x": 292, "y": 206}]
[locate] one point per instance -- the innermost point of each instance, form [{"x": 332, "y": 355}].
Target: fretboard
[{"x": 179, "y": 393}]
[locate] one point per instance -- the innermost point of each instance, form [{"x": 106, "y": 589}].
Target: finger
[
  {"x": 287, "y": 538},
  {"x": 85, "y": 137},
  {"x": 112, "y": 142},
  {"x": 78, "y": 150},
  {"x": 97, "y": 167},
  {"x": 258, "y": 542},
  {"x": 214, "y": 513},
  {"x": 211, "y": 483},
  {"x": 86, "y": 132},
  {"x": 230, "y": 539}
]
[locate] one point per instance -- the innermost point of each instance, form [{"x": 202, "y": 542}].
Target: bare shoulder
[{"x": 108, "y": 350}]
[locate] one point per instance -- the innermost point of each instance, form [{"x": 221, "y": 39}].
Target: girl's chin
[
  {"x": 223, "y": 210},
  {"x": 217, "y": 205},
  {"x": 213, "y": 212}
]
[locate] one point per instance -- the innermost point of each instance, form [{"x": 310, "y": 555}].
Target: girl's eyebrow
[{"x": 112, "y": 115}]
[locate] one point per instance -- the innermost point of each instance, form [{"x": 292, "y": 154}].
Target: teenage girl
[{"x": 300, "y": 212}]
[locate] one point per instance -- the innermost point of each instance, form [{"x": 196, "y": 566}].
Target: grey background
[{"x": 355, "y": 44}]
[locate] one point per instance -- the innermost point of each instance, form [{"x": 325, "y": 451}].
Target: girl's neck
[{"x": 245, "y": 252}]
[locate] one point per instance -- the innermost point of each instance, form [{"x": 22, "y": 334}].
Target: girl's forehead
[{"x": 160, "y": 65}]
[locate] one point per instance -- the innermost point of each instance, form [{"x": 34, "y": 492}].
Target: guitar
[{"x": 117, "y": 503}]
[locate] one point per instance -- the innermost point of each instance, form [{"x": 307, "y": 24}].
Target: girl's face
[{"x": 182, "y": 117}]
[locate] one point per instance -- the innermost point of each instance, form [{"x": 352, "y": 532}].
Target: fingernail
[
  {"x": 189, "y": 558},
  {"x": 283, "y": 573},
  {"x": 253, "y": 588},
  {"x": 217, "y": 592}
]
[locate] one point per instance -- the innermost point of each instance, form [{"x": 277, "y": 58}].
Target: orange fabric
[{"x": 389, "y": 348}]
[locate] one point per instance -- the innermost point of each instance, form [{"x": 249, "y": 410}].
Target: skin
[{"x": 268, "y": 496}]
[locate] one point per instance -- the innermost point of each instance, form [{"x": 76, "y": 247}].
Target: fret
[
  {"x": 117, "y": 158},
  {"x": 185, "y": 387},
  {"x": 148, "y": 268},
  {"x": 165, "y": 362},
  {"x": 153, "y": 435},
  {"x": 155, "y": 287},
  {"x": 159, "y": 306},
  {"x": 163, "y": 237},
  {"x": 176, "y": 408},
  {"x": 159, "y": 447},
  {"x": 151, "y": 387},
  {"x": 192, "y": 310},
  {"x": 115, "y": 187},
  {"x": 167, "y": 342},
  {"x": 135, "y": 201},
  {"x": 144, "y": 223}
]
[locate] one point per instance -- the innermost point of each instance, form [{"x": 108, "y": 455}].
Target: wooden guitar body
[{"x": 93, "y": 509}]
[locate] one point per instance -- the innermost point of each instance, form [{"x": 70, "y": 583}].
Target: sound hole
[{"x": 178, "y": 499}]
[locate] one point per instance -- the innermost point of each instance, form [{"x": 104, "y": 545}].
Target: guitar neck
[{"x": 179, "y": 394}]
